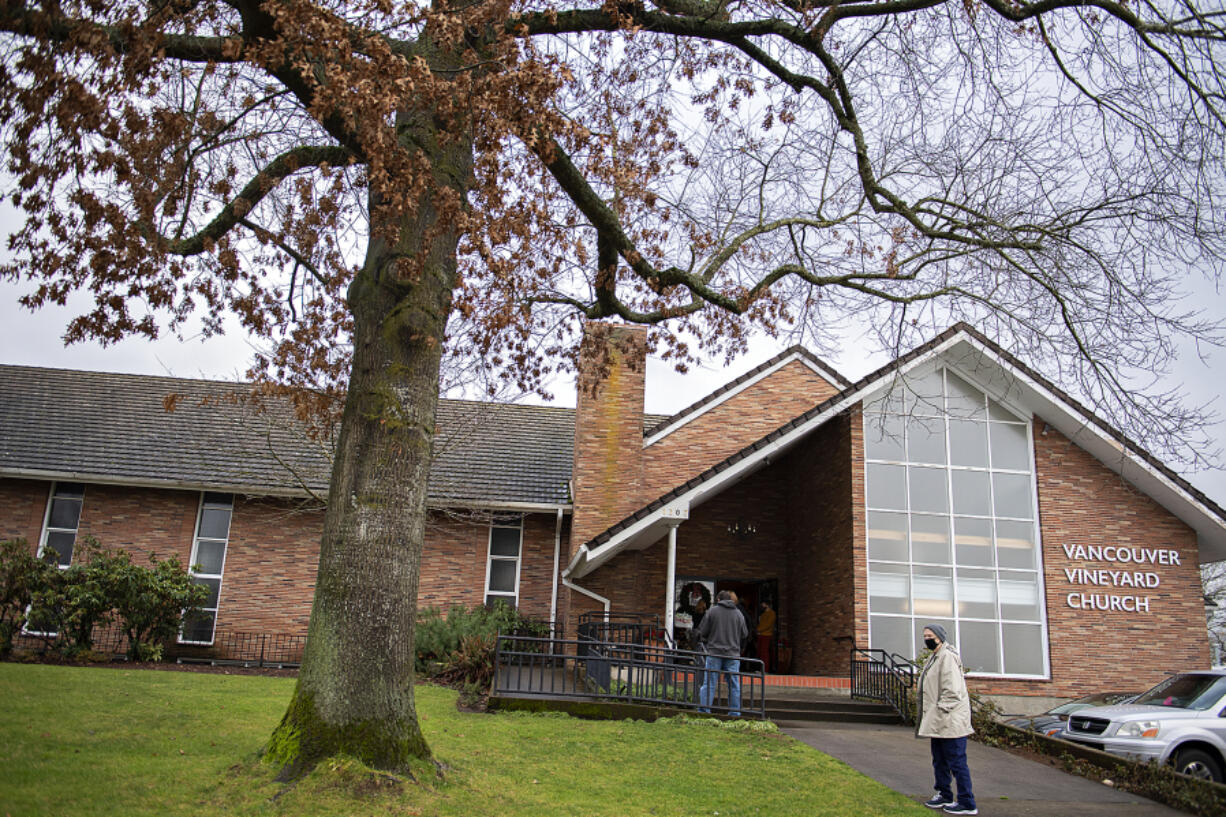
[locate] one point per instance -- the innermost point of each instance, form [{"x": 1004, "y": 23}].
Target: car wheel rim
[{"x": 1198, "y": 770}]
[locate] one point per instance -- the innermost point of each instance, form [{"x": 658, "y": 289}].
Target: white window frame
[
  {"x": 48, "y": 530},
  {"x": 206, "y": 504},
  {"x": 989, "y": 470},
  {"x": 511, "y": 597},
  {"x": 42, "y": 544}
]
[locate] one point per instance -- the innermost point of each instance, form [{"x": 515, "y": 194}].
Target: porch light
[{"x": 740, "y": 528}]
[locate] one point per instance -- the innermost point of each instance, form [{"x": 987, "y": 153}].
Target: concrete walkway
[{"x": 1006, "y": 785}]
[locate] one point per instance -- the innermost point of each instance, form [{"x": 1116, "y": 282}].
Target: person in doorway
[
  {"x": 747, "y": 644},
  {"x": 945, "y": 718},
  {"x": 722, "y": 631},
  {"x": 700, "y": 610},
  {"x": 766, "y": 634}
]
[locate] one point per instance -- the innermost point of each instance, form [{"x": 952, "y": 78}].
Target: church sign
[{"x": 1123, "y": 569}]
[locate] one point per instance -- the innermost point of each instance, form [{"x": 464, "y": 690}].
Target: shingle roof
[
  {"x": 88, "y": 424},
  {"x": 66, "y": 424},
  {"x": 502, "y": 453},
  {"x": 114, "y": 428}
]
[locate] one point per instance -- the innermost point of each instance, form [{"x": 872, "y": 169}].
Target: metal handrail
[
  {"x": 620, "y": 627},
  {"x": 281, "y": 650},
  {"x": 625, "y": 672},
  {"x": 879, "y": 675}
]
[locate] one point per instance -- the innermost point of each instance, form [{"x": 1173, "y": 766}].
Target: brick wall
[
  {"x": 454, "y": 559},
  {"x": 273, "y": 551},
  {"x": 536, "y": 569},
  {"x": 271, "y": 561},
  {"x": 859, "y": 524},
  {"x": 608, "y": 466},
  {"x": 730, "y": 426},
  {"x": 1081, "y": 502},
  {"x": 141, "y": 521},
  {"x": 23, "y": 503},
  {"x": 821, "y": 616}
]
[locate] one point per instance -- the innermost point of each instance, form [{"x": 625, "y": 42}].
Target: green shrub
[
  {"x": 150, "y": 603},
  {"x": 21, "y": 573},
  {"x": 438, "y": 637},
  {"x": 70, "y": 603},
  {"x": 459, "y": 649},
  {"x": 104, "y": 586},
  {"x": 472, "y": 664}
]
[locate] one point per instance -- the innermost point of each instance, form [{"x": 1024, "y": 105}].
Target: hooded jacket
[
  {"x": 723, "y": 629},
  {"x": 944, "y": 703}
]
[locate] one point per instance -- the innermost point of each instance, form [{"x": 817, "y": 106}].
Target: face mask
[{"x": 930, "y": 643}]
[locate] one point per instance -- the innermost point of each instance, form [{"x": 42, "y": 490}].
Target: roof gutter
[
  {"x": 155, "y": 482},
  {"x": 578, "y": 559},
  {"x": 319, "y": 493}
]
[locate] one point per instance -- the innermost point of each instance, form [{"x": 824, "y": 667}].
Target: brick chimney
[{"x": 608, "y": 468}]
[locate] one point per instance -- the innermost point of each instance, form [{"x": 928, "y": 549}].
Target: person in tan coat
[{"x": 945, "y": 718}]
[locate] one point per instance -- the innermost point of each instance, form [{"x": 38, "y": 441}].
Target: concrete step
[
  {"x": 846, "y": 711},
  {"x": 826, "y": 704}
]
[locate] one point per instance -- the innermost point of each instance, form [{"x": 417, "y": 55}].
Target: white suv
[{"x": 1182, "y": 721}]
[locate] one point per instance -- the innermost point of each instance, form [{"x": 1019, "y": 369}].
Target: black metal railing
[
  {"x": 621, "y": 671},
  {"x": 283, "y": 650},
  {"x": 622, "y": 628},
  {"x": 878, "y": 675}
]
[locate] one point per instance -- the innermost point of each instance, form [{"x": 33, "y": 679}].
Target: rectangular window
[
  {"x": 502, "y": 566},
  {"x": 952, "y": 533},
  {"x": 59, "y": 536},
  {"x": 63, "y": 518},
  {"x": 207, "y": 564}
]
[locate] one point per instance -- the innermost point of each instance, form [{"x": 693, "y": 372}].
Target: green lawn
[{"x": 98, "y": 741}]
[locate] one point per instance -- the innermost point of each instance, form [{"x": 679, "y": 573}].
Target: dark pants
[
  {"x": 949, "y": 761},
  {"x": 764, "y": 651}
]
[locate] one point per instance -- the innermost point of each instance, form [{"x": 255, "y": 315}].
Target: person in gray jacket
[
  {"x": 945, "y": 717},
  {"x": 722, "y": 631}
]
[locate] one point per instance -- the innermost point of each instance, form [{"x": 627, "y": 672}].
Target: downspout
[
  {"x": 670, "y": 588},
  {"x": 568, "y": 583},
  {"x": 553, "y": 594}
]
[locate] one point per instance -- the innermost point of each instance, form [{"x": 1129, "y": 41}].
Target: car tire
[{"x": 1198, "y": 763}]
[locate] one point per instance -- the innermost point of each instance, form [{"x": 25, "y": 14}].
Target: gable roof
[
  {"x": 993, "y": 367},
  {"x": 114, "y": 429},
  {"x": 740, "y": 384}
]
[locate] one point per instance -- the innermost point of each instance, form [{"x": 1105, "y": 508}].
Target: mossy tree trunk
[{"x": 355, "y": 690}]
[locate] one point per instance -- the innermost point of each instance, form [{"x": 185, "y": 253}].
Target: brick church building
[{"x": 953, "y": 485}]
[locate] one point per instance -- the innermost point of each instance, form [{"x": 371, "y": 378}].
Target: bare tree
[{"x": 370, "y": 184}]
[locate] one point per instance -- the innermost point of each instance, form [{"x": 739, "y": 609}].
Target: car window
[
  {"x": 1097, "y": 699},
  {"x": 1188, "y": 691}
]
